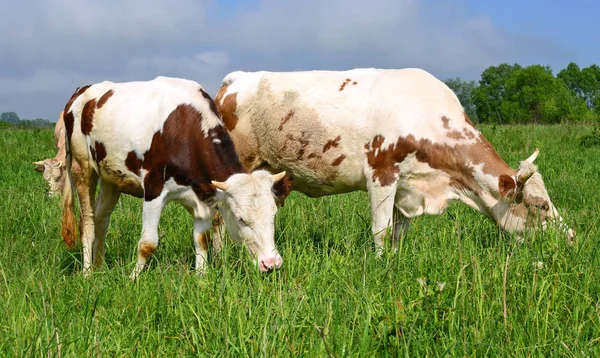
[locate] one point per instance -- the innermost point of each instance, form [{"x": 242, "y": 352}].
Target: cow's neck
[{"x": 483, "y": 194}]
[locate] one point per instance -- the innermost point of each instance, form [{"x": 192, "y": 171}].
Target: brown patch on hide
[
  {"x": 451, "y": 160},
  {"x": 344, "y": 84},
  {"x": 338, "y": 160},
  {"x": 93, "y": 152},
  {"x": 354, "y": 83},
  {"x": 456, "y": 135},
  {"x": 468, "y": 120},
  {"x": 334, "y": 143},
  {"x": 100, "y": 152},
  {"x": 182, "y": 152},
  {"x": 314, "y": 155},
  {"x": 201, "y": 239},
  {"x": 68, "y": 115},
  {"x": 536, "y": 202},
  {"x": 285, "y": 119},
  {"x": 69, "y": 119},
  {"x": 211, "y": 103},
  {"x": 146, "y": 249},
  {"x": 227, "y": 106},
  {"x": 87, "y": 116},
  {"x": 104, "y": 98},
  {"x": 302, "y": 139},
  {"x": 133, "y": 163},
  {"x": 468, "y": 133},
  {"x": 446, "y": 120},
  {"x": 282, "y": 188}
]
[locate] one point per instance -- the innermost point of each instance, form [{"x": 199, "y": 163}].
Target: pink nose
[{"x": 266, "y": 265}]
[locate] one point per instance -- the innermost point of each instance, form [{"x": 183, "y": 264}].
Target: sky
[{"x": 48, "y": 48}]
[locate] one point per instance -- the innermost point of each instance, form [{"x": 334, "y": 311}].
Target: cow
[
  {"x": 401, "y": 135},
  {"x": 53, "y": 169},
  {"x": 162, "y": 140}
]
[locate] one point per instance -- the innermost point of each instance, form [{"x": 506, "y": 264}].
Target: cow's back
[
  {"x": 316, "y": 124},
  {"x": 120, "y": 126}
]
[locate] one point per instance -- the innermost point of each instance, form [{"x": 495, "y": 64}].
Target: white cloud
[
  {"x": 214, "y": 58},
  {"x": 53, "y": 46}
]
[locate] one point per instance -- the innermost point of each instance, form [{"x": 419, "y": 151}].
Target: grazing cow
[
  {"x": 162, "y": 140},
  {"x": 401, "y": 135},
  {"x": 53, "y": 169}
]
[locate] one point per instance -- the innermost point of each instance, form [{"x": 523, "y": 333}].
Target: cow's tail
[{"x": 68, "y": 219}]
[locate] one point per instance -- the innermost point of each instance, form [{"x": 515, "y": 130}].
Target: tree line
[
  {"x": 13, "y": 118},
  {"x": 509, "y": 94}
]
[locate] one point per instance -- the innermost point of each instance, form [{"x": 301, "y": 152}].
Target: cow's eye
[{"x": 241, "y": 220}]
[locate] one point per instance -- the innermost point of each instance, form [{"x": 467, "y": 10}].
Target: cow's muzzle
[{"x": 269, "y": 264}]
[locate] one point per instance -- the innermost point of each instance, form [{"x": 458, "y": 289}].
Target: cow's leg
[
  {"x": 218, "y": 226},
  {"x": 85, "y": 183},
  {"x": 149, "y": 241},
  {"x": 107, "y": 199},
  {"x": 401, "y": 224},
  {"x": 381, "y": 199},
  {"x": 201, "y": 234}
]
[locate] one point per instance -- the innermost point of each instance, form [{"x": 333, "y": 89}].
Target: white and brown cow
[
  {"x": 162, "y": 140},
  {"x": 401, "y": 135},
  {"x": 53, "y": 169}
]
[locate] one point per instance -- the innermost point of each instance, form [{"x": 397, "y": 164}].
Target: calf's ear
[
  {"x": 507, "y": 186},
  {"x": 282, "y": 187}
]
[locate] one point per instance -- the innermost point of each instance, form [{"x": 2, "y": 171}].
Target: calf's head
[
  {"x": 52, "y": 170},
  {"x": 248, "y": 205},
  {"x": 525, "y": 203}
]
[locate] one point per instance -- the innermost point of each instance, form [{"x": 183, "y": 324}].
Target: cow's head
[
  {"x": 525, "y": 203},
  {"x": 248, "y": 205},
  {"x": 53, "y": 172}
]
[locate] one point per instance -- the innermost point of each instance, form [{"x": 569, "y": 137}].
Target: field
[{"x": 456, "y": 287}]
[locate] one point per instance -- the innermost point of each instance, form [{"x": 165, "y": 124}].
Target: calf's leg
[
  {"x": 218, "y": 226},
  {"x": 107, "y": 199},
  {"x": 149, "y": 241},
  {"x": 201, "y": 234},
  {"x": 85, "y": 183}
]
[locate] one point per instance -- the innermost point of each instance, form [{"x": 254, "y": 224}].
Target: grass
[{"x": 456, "y": 287}]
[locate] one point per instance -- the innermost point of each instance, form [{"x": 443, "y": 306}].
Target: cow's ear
[
  {"x": 507, "y": 186},
  {"x": 282, "y": 188}
]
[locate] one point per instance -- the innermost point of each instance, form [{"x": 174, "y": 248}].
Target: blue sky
[{"x": 50, "y": 47}]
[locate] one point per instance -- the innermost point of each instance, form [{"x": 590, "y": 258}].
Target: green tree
[
  {"x": 542, "y": 98},
  {"x": 591, "y": 87},
  {"x": 572, "y": 78},
  {"x": 10, "y": 117},
  {"x": 515, "y": 94},
  {"x": 585, "y": 83},
  {"x": 464, "y": 92},
  {"x": 493, "y": 89}
]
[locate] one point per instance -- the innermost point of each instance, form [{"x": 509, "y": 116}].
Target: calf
[
  {"x": 401, "y": 135},
  {"x": 53, "y": 169},
  {"x": 162, "y": 140}
]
